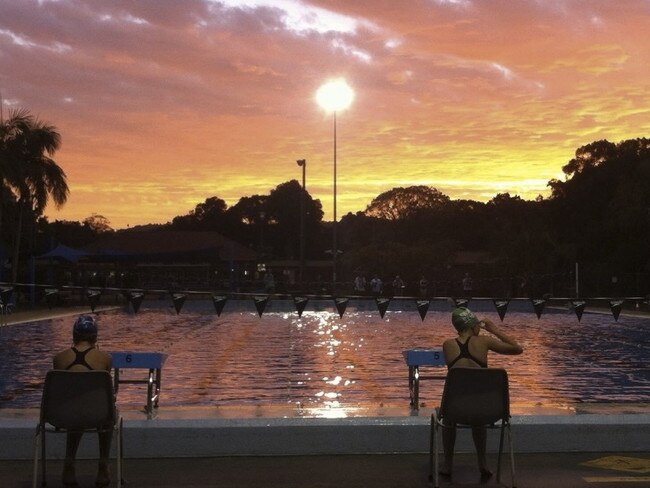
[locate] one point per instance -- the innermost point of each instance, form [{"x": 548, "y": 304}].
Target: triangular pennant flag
[
  {"x": 578, "y": 307},
  {"x": 382, "y": 305},
  {"x": 51, "y": 296},
  {"x": 93, "y": 297},
  {"x": 423, "y": 307},
  {"x": 301, "y": 303},
  {"x": 179, "y": 300},
  {"x": 341, "y": 305},
  {"x": 136, "y": 297},
  {"x": 461, "y": 302},
  {"x": 538, "y": 305},
  {"x": 5, "y": 294},
  {"x": 260, "y": 303},
  {"x": 502, "y": 307},
  {"x": 615, "y": 306},
  {"x": 219, "y": 302}
]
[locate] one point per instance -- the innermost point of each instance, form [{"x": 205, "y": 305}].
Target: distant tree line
[{"x": 598, "y": 217}]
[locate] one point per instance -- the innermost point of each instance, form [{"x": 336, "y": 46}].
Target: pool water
[{"x": 322, "y": 360}]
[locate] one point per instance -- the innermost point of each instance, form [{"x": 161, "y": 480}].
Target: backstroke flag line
[
  {"x": 461, "y": 302},
  {"x": 135, "y": 298},
  {"x": 578, "y": 307},
  {"x": 260, "y": 303},
  {"x": 382, "y": 305},
  {"x": 300, "y": 303},
  {"x": 538, "y": 305},
  {"x": 501, "y": 306},
  {"x": 219, "y": 302},
  {"x": 50, "y": 296},
  {"x": 93, "y": 295},
  {"x": 341, "y": 305},
  {"x": 615, "y": 306},
  {"x": 179, "y": 300},
  {"x": 423, "y": 307},
  {"x": 5, "y": 294}
]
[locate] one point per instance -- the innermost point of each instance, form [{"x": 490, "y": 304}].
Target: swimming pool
[{"x": 324, "y": 361}]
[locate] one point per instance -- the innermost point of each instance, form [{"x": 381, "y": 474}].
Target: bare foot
[
  {"x": 103, "y": 476},
  {"x": 445, "y": 471},
  {"x": 486, "y": 474},
  {"x": 69, "y": 477}
]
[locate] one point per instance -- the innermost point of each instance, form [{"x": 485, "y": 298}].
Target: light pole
[
  {"x": 334, "y": 96},
  {"x": 303, "y": 164}
]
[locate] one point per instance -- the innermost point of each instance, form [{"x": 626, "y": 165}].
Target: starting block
[
  {"x": 415, "y": 358},
  {"x": 153, "y": 361}
]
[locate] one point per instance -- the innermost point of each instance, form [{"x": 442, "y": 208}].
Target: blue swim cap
[{"x": 85, "y": 326}]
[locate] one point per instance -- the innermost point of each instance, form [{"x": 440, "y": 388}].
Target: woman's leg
[
  {"x": 479, "y": 434},
  {"x": 448, "y": 443},
  {"x": 103, "y": 473},
  {"x": 69, "y": 477}
]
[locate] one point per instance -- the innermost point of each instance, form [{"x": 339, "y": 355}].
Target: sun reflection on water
[{"x": 332, "y": 367}]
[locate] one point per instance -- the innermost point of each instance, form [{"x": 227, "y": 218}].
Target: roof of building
[{"x": 168, "y": 244}]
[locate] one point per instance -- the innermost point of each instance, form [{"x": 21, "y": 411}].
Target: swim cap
[
  {"x": 85, "y": 326},
  {"x": 462, "y": 318}
]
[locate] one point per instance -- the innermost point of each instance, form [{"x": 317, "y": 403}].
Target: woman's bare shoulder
[{"x": 62, "y": 358}]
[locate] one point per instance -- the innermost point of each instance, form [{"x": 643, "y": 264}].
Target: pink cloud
[{"x": 162, "y": 104}]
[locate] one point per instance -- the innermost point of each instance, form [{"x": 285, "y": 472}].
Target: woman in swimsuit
[
  {"x": 84, "y": 355},
  {"x": 470, "y": 350}
]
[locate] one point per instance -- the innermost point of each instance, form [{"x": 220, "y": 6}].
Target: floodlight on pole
[
  {"x": 334, "y": 96},
  {"x": 302, "y": 163}
]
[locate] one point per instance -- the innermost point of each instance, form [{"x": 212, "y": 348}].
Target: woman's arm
[{"x": 501, "y": 343}]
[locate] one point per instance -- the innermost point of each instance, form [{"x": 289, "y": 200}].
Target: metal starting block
[{"x": 153, "y": 361}]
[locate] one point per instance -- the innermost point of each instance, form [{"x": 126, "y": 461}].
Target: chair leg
[
  {"x": 119, "y": 453},
  {"x": 43, "y": 459},
  {"x": 512, "y": 457},
  {"x": 434, "y": 442},
  {"x": 432, "y": 437},
  {"x": 437, "y": 447},
  {"x": 37, "y": 448},
  {"x": 500, "y": 452}
]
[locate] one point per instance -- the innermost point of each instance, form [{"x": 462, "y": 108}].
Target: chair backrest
[
  {"x": 475, "y": 396},
  {"x": 78, "y": 400}
]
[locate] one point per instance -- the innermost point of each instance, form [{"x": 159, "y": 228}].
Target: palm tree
[{"x": 27, "y": 169}]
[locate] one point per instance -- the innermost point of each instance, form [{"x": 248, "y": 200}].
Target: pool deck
[
  {"x": 384, "y": 447},
  {"x": 354, "y": 471}
]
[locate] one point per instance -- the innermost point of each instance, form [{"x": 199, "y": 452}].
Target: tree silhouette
[
  {"x": 28, "y": 171},
  {"x": 400, "y": 203},
  {"x": 209, "y": 215}
]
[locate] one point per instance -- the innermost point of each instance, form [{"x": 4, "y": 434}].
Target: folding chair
[
  {"x": 76, "y": 401},
  {"x": 473, "y": 397}
]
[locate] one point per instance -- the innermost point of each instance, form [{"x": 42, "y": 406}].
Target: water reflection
[{"x": 328, "y": 366}]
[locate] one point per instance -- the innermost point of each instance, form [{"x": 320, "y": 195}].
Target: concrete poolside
[
  {"x": 190, "y": 447},
  {"x": 379, "y": 446},
  {"x": 566, "y": 470}
]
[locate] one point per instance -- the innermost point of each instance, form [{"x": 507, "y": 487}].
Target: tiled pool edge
[{"x": 163, "y": 438}]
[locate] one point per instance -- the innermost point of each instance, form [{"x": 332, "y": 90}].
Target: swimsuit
[
  {"x": 80, "y": 358},
  {"x": 464, "y": 353}
]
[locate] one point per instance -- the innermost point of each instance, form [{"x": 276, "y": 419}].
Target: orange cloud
[{"x": 162, "y": 105}]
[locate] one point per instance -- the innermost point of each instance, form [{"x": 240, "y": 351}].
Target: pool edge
[{"x": 173, "y": 438}]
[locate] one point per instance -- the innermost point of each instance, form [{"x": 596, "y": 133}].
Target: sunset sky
[{"x": 162, "y": 103}]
